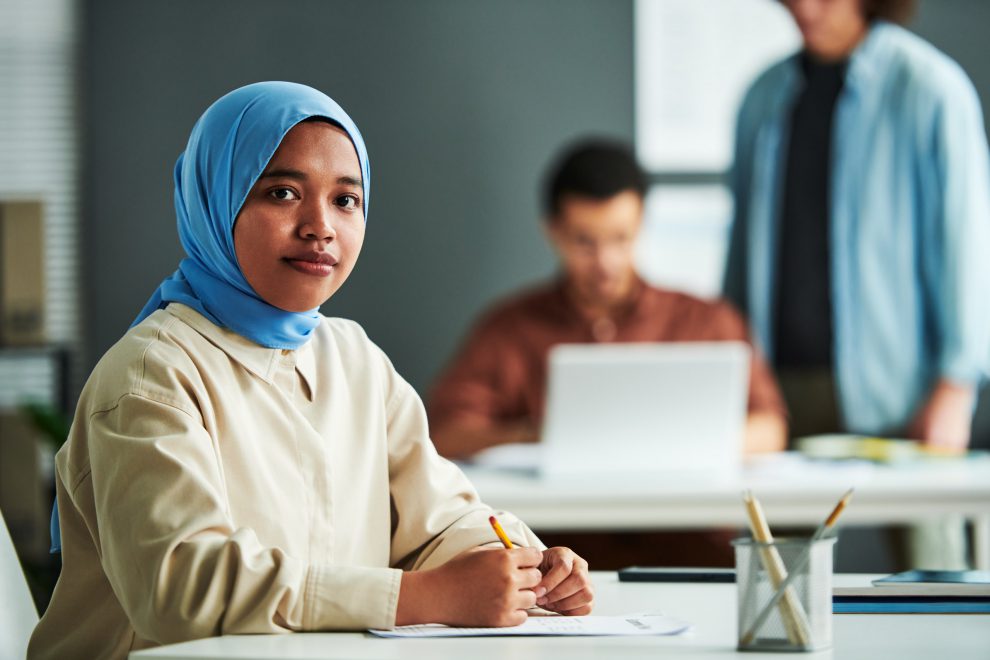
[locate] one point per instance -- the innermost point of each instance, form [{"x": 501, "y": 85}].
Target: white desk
[
  {"x": 710, "y": 607},
  {"x": 793, "y": 492}
]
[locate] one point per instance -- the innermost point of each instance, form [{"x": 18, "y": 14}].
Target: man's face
[
  {"x": 830, "y": 28},
  {"x": 595, "y": 240}
]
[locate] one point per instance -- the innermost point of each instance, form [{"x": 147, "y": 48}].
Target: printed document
[{"x": 564, "y": 626}]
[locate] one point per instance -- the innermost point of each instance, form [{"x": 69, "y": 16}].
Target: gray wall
[
  {"x": 461, "y": 104},
  {"x": 959, "y": 29}
]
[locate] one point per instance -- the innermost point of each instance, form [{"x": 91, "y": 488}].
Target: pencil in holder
[{"x": 785, "y": 594}]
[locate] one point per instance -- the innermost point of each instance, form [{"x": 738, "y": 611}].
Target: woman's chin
[{"x": 296, "y": 305}]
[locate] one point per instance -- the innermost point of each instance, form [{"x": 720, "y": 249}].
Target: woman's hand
[
  {"x": 565, "y": 578},
  {"x": 480, "y": 587}
]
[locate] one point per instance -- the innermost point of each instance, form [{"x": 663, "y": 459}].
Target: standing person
[
  {"x": 238, "y": 462},
  {"x": 862, "y": 225}
]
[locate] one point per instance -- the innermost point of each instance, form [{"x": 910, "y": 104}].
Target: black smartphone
[{"x": 655, "y": 574}]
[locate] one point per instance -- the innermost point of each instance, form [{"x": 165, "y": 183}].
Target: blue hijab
[{"x": 228, "y": 150}]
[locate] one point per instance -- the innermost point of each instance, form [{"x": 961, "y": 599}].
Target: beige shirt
[{"x": 213, "y": 486}]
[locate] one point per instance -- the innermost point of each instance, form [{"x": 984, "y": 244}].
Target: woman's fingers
[
  {"x": 557, "y": 565},
  {"x": 529, "y": 578},
  {"x": 574, "y": 592},
  {"x": 579, "y": 611}
]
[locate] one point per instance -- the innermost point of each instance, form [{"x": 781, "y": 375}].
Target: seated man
[{"x": 494, "y": 390}]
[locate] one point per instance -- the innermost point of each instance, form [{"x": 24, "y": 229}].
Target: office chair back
[{"x": 18, "y": 616}]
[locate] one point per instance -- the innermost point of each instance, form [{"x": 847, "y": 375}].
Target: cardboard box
[
  {"x": 22, "y": 273},
  {"x": 25, "y": 485}
]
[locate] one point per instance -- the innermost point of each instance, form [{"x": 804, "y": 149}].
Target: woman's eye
[
  {"x": 283, "y": 194},
  {"x": 349, "y": 202}
]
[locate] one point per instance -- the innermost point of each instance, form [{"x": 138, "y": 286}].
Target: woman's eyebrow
[
  {"x": 283, "y": 173},
  {"x": 350, "y": 181}
]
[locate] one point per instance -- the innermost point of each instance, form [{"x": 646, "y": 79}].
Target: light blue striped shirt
[{"x": 909, "y": 225}]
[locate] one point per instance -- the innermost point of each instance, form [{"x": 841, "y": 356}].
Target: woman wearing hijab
[{"x": 239, "y": 463}]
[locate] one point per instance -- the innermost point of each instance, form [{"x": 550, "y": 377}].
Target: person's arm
[
  {"x": 438, "y": 514},
  {"x": 463, "y": 438},
  {"x": 955, "y": 267},
  {"x": 475, "y": 401},
  {"x": 766, "y": 419},
  {"x": 177, "y": 564},
  {"x": 495, "y": 587},
  {"x": 487, "y": 588},
  {"x": 439, "y": 526},
  {"x": 734, "y": 279},
  {"x": 765, "y": 432},
  {"x": 945, "y": 419}
]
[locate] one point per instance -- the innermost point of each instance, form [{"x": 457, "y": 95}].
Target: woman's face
[{"x": 301, "y": 227}]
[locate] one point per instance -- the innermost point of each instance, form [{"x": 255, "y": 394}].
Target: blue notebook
[
  {"x": 910, "y": 605},
  {"x": 917, "y": 592},
  {"x": 936, "y": 577}
]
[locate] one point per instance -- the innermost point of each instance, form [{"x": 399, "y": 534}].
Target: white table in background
[
  {"x": 794, "y": 492},
  {"x": 710, "y": 607}
]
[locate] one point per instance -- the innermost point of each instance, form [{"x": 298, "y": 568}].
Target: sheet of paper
[{"x": 563, "y": 626}]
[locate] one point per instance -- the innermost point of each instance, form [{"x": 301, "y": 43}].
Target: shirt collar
[
  {"x": 865, "y": 64},
  {"x": 867, "y": 61},
  {"x": 263, "y": 362},
  {"x": 306, "y": 366}
]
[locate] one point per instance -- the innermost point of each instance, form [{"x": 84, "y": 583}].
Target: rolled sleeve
[
  {"x": 438, "y": 513},
  {"x": 352, "y": 599}
]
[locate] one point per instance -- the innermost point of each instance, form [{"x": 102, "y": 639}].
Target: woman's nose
[{"x": 317, "y": 224}]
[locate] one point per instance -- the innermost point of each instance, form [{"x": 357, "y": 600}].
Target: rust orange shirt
[{"x": 500, "y": 373}]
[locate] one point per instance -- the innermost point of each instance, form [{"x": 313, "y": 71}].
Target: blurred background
[{"x": 462, "y": 104}]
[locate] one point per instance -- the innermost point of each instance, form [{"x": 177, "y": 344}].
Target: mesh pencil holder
[{"x": 785, "y": 594}]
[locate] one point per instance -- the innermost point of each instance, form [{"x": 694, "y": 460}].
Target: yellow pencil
[
  {"x": 793, "y": 616},
  {"x": 832, "y": 517},
  {"x": 500, "y": 532}
]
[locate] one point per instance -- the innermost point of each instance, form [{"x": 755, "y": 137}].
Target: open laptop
[{"x": 675, "y": 410}]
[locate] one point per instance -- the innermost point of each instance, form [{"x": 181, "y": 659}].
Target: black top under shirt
[{"x": 803, "y": 297}]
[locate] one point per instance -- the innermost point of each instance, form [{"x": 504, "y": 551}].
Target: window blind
[{"x": 39, "y": 155}]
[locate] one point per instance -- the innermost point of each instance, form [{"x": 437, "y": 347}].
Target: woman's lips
[{"x": 318, "y": 264}]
